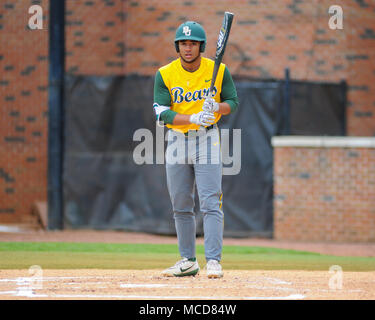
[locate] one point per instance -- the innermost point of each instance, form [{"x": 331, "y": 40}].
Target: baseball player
[{"x": 181, "y": 102}]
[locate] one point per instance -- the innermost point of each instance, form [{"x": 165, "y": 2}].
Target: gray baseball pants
[{"x": 195, "y": 161}]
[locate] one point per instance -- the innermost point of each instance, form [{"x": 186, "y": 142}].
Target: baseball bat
[{"x": 220, "y": 46}]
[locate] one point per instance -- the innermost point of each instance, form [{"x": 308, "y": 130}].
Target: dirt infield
[{"x": 148, "y": 285}]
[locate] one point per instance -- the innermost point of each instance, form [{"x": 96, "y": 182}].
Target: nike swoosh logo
[
  {"x": 183, "y": 270},
  {"x": 207, "y": 80}
]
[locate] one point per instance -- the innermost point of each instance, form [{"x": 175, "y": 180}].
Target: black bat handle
[{"x": 214, "y": 75}]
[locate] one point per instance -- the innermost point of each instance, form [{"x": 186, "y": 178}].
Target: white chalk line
[
  {"x": 30, "y": 280},
  {"x": 30, "y": 293},
  {"x": 293, "y": 296},
  {"x": 145, "y": 285},
  {"x": 277, "y": 281},
  {"x": 52, "y": 278},
  {"x": 24, "y": 293},
  {"x": 270, "y": 288}
]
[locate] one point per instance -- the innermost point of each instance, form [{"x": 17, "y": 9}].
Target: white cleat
[
  {"x": 214, "y": 269},
  {"x": 182, "y": 268}
]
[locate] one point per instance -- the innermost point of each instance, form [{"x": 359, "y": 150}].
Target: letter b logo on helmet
[
  {"x": 190, "y": 30},
  {"x": 186, "y": 30}
]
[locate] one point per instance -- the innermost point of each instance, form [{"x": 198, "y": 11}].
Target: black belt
[{"x": 207, "y": 128}]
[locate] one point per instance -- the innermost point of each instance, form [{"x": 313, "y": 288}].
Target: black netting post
[
  {"x": 343, "y": 119},
  {"x": 287, "y": 102},
  {"x": 55, "y": 109}
]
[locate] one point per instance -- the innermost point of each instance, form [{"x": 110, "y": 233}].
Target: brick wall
[
  {"x": 324, "y": 193},
  {"x": 117, "y": 37},
  {"x": 106, "y": 37},
  {"x": 95, "y": 37},
  {"x": 23, "y": 109}
]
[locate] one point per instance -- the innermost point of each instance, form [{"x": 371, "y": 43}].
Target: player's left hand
[{"x": 210, "y": 105}]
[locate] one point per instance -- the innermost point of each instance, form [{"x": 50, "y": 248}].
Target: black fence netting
[
  {"x": 317, "y": 109},
  {"x": 104, "y": 187}
]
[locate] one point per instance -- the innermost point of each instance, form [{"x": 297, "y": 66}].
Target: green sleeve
[
  {"x": 228, "y": 91},
  {"x": 168, "y": 116},
  {"x": 162, "y": 97}
]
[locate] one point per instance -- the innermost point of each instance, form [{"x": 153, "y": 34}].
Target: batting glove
[
  {"x": 202, "y": 118},
  {"x": 210, "y": 105}
]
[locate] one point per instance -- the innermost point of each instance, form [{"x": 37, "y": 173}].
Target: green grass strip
[{"x": 62, "y": 255}]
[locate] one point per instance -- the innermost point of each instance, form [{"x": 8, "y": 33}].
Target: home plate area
[{"x": 91, "y": 284}]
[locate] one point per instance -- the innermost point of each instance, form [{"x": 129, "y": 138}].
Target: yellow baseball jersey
[{"x": 188, "y": 89}]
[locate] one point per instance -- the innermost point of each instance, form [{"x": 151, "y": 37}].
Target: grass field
[{"x": 62, "y": 255}]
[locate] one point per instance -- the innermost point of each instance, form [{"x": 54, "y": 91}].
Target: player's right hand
[
  {"x": 210, "y": 105},
  {"x": 202, "y": 118}
]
